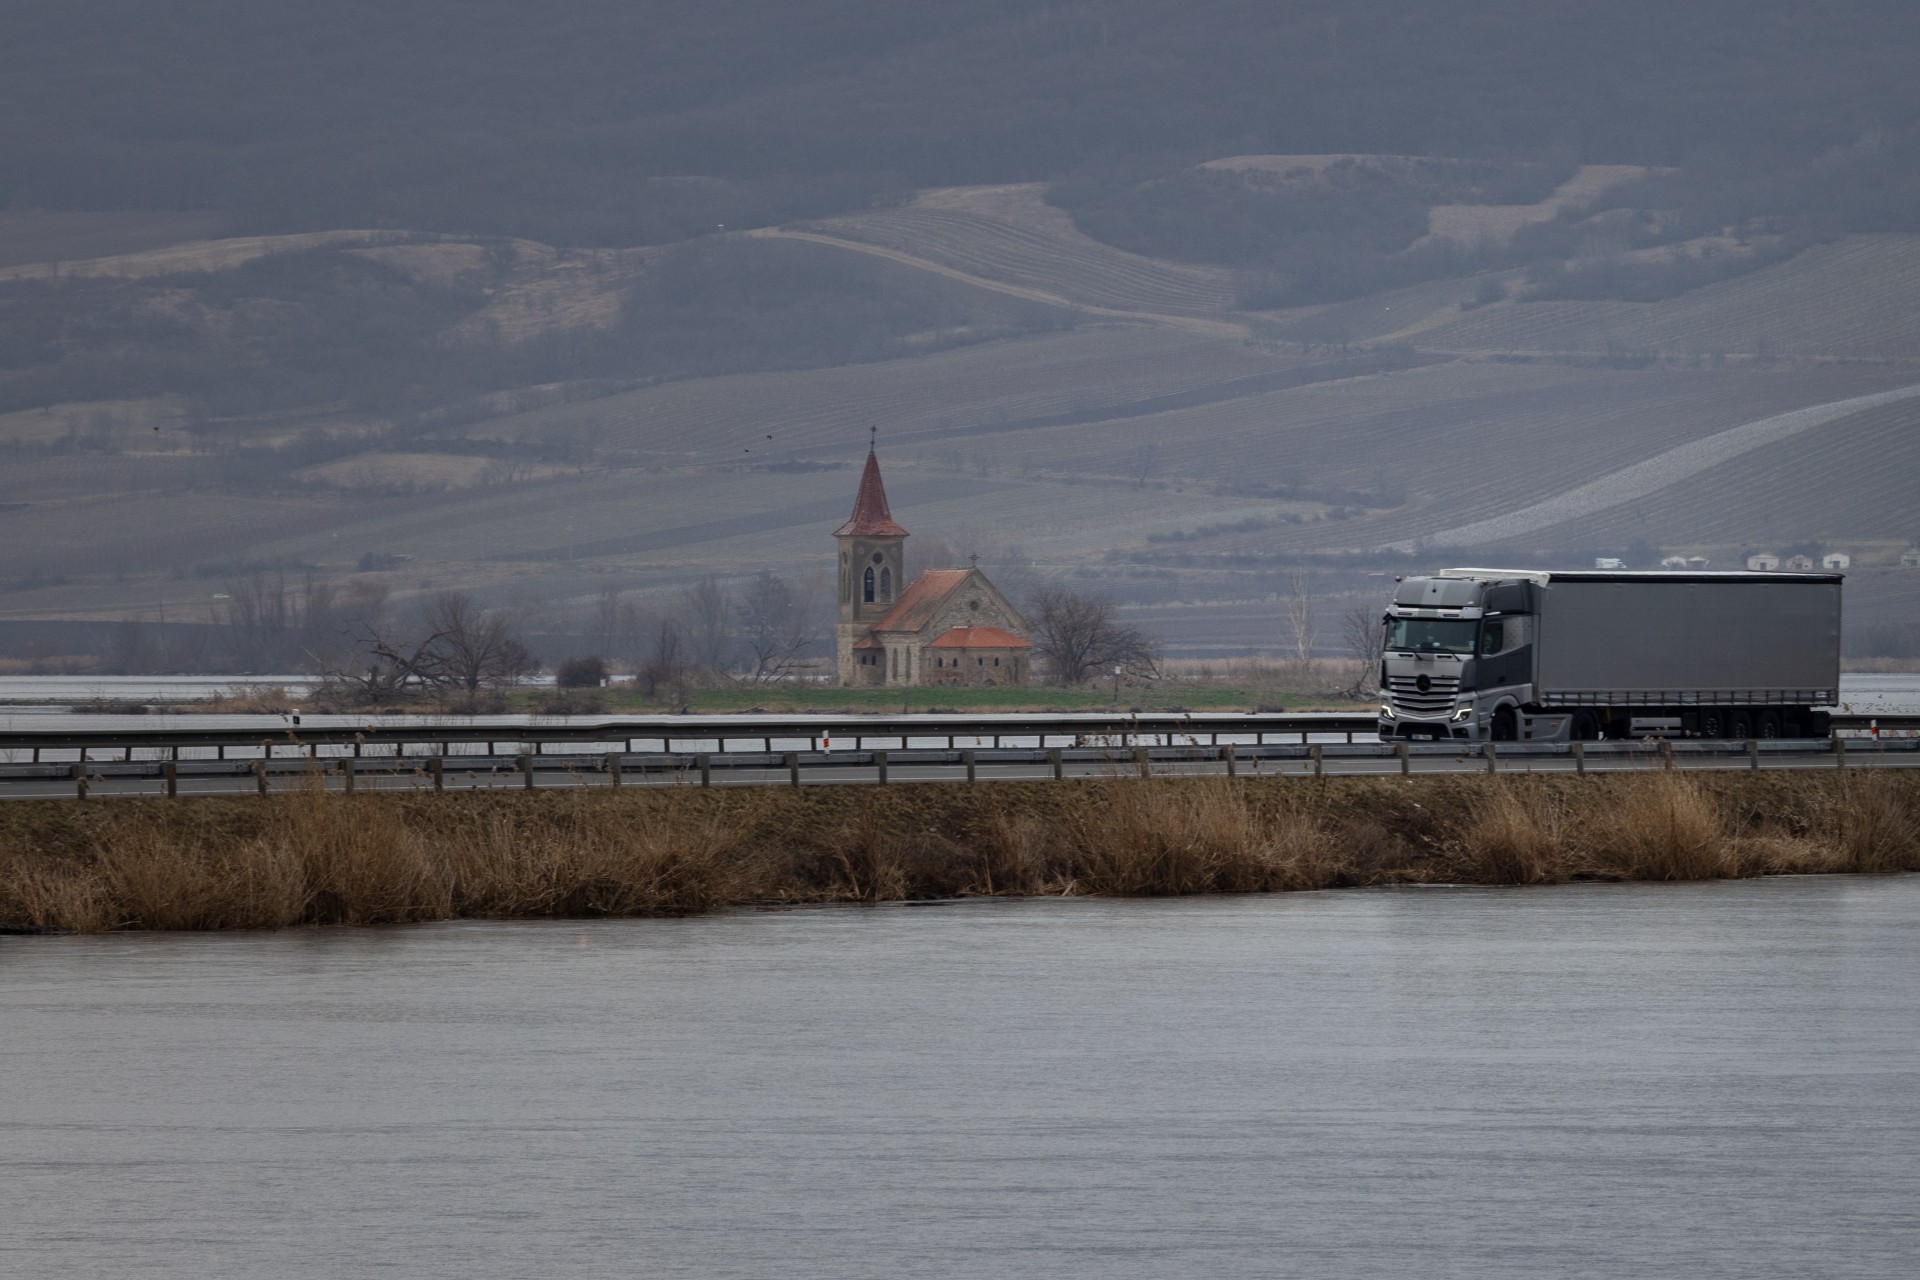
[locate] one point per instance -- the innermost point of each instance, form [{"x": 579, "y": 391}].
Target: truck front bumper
[{"x": 1430, "y": 730}]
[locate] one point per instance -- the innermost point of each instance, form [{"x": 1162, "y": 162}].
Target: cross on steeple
[{"x": 873, "y": 438}]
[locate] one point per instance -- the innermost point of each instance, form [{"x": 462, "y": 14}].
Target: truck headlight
[
  {"x": 1462, "y": 714},
  {"x": 1386, "y": 711}
]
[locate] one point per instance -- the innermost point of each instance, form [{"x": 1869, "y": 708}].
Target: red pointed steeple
[{"x": 870, "y": 518}]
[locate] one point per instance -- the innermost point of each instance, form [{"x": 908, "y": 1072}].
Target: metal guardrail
[
  {"x": 819, "y": 732},
  {"x": 535, "y": 736},
  {"x": 1109, "y": 757}
]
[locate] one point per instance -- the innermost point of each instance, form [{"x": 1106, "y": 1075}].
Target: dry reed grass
[
  {"x": 1204, "y": 836},
  {"x": 1662, "y": 826},
  {"x": 317, "y": 858},
  {"x": 1515, "y": 837},
  {"x": 252, "y": 699}
]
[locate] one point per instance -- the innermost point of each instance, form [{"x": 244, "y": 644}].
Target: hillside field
[{"x": 541, "y": 426}]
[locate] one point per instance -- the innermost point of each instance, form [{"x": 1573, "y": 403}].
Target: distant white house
[
  {"x": 1799, "y": 564},
  {"x": 1763, "y": 562},
  {"x": 1609, "y": 562},
  {"x": 1698, "y": 562},
  {"x": 1910, "y": 558},
  {"x": 1673, "y": 562},
  {"x": 1836, "y": 560}
]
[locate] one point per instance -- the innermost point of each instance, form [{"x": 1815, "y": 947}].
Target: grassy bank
[{"x": 312, "y": 858}]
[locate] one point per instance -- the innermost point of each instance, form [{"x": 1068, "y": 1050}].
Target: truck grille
[{"x": 1436, "y": 699}]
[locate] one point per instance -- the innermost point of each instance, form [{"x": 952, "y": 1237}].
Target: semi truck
[{"x": 1521, "y": 656}]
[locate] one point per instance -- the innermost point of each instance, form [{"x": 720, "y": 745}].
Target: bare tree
[
  {"x": 776, "y": 624},
  {"x": 1078, "y": 638},
  {"x": 1299, "y": 606},
  {"x": 473, "y": 647},
  {"x": 1365, "y": 639},
  {"x": 706, "y": 612},
  {"x": 270, "y": 624},
  {"x": 663, "y": 661},
  {"x": 609, "y": 625},
  {"x": 381, "y": 667},
  {"x": 1140, "y": 465}
]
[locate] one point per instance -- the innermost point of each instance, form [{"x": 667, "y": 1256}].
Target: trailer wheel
[
  {"x": 1713, "y": 722},
  {"x": 1768, "y": 725},
  {"x": 1586, "y": 727},
  {"x": 1505, "y": 727},
  {"x": 1739, "y": 726}
]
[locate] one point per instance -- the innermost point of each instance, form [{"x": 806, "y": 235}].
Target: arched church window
[
  {"x": 867, "y": 590},
  {"x": 886, "y": 584}
]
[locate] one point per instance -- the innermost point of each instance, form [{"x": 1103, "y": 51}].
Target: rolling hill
[{"x": 1060, "y": 406}]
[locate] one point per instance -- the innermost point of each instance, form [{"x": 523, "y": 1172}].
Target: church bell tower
[{"x": 873, "y": 568}]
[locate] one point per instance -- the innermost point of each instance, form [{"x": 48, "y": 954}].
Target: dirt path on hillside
[
  {"x": 1192, "y": 324},
  {"x": 1658, "y": 472}
]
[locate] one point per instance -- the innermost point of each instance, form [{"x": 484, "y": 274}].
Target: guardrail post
[
  {"x": 526, "y": 768},
  {"x": 437, "y": 769},
  {"x": 793, "y": 768},
  {"x": 1666, "y": 754},
  {"x": 1053, "y": 758},
  {"x": 1140, "y": 761},
  {"x": 260, "y": 775},
  {"x": 171, "y": 772},
  {"x": 80, "y": 777},
  {"x": 1753, "y": 753},
  {"x": 1406, "y": 758},
  {"x": 880, "y": 764},
  {"x": 1493, "y": 757},
  {"x": 1839, "y": 752},
  {"x": 1233, "y": 763},
  {"x": 1319, "y": 755},
  {"x": 705, "y": 761},
  {"x": 346, "y": 771},
  {"x": 966, "y": 758},
  {"x": 1580, "y": 758}
]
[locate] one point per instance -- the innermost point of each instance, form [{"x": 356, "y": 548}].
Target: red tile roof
[
  {"x": 919, "y": 602},
  {"x": 870, "y": 518},
  {"x": 978, "y": 638}
]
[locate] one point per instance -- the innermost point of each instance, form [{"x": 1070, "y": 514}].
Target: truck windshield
[{"x": 1431, "y": 635}]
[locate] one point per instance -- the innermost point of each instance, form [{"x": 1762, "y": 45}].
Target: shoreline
[{"x": 313, "y": 858}]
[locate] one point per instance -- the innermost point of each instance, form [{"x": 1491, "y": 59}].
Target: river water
[{"x": 1589, "y": 1081}]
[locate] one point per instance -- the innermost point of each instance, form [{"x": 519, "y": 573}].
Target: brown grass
[{"x": 315, "y": 858}]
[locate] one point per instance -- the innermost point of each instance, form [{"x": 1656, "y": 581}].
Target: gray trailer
[{"x": 1514, "y": 655}]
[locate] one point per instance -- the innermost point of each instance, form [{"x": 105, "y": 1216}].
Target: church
[{"x": 947, "y": 627}]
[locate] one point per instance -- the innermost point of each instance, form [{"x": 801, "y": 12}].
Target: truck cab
[{"x": 1458, "y": 658}]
